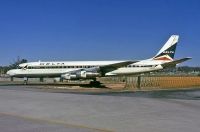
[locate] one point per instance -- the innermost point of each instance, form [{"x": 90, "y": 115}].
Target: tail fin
[{"x": 167, "y": 52}]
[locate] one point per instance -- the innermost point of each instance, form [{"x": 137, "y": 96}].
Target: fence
[
  {"x": 138, "y": 82},
  {"x": 152, "y": 82}
]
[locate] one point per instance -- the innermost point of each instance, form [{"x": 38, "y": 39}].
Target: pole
[{"x": 139, "y": 82}]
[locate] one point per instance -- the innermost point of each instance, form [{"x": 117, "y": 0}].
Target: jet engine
[{"x": 80, "y": 75}]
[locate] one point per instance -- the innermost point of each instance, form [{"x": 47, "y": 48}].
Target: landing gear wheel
[
  {"x": 25, "y": 80},
  {"x": 95, "y": 83}
]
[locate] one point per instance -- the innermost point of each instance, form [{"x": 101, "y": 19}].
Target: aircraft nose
[{"x": 10, "y": 73}]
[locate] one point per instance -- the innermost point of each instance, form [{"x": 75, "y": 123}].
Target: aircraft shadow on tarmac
[
  {"x": 57, "y": 84},
  {"x": 192, "y": 94}
]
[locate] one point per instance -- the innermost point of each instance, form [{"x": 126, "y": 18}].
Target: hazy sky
[{"x": 97, "y": 29}]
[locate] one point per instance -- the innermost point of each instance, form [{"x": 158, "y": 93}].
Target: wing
[
  {"x": 103, "y": 69},
  {"x": 108, "y": 68}
]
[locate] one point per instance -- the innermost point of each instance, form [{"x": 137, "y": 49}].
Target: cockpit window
[{"x": 18, "y": 67}]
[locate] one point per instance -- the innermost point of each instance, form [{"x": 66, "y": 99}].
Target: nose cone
[{"x": 11, "y": 73}]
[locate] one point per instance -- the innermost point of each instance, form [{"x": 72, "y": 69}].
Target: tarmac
[{"x": 24, "y": 108}]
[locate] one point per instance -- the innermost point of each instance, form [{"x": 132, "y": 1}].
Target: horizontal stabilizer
[{"x": 175, "y": 62}]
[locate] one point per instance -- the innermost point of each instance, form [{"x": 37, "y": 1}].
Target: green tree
[
  {"x": 14, "y": 65},
  {"x": 17, "y": 62}
]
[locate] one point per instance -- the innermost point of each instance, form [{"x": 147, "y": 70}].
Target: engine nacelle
[
  {"x": 86, "y": 74},
  {"x": 69, "y": 76},
  {"x": 92, "y": 75},
  {"x": 80, "y": 75}
]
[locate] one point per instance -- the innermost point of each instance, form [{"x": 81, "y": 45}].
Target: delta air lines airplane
[{"x": 78, "y": 70}]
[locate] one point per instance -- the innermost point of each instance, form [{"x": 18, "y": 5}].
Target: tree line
[{"x": 14, "y": 65}]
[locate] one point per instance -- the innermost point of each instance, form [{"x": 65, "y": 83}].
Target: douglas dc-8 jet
[{"x": 78, "y": 70}]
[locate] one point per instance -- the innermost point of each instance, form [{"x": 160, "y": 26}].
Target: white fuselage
[{"x": 56, "y": 69}]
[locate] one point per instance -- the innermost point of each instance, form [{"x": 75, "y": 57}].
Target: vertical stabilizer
[{"x": 167, "y": 52}]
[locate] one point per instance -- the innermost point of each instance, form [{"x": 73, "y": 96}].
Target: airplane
[{"x": 80, "y": 70}]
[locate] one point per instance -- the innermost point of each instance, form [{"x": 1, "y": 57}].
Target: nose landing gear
[
  {"x": 25, "y": 80},
  {"x": 12, "y": 79}
]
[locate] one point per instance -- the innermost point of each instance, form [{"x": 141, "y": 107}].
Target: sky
[{"x": 62, "y": 30}]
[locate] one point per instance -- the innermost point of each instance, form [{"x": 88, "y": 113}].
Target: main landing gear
[
  {"x": 95, "y": 82},
  {"x": 12, "y": 79}
]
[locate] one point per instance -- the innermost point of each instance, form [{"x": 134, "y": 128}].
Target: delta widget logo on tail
[
  {"x": 167, "y": 52},
  {"x": 164, "y": 58}
]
